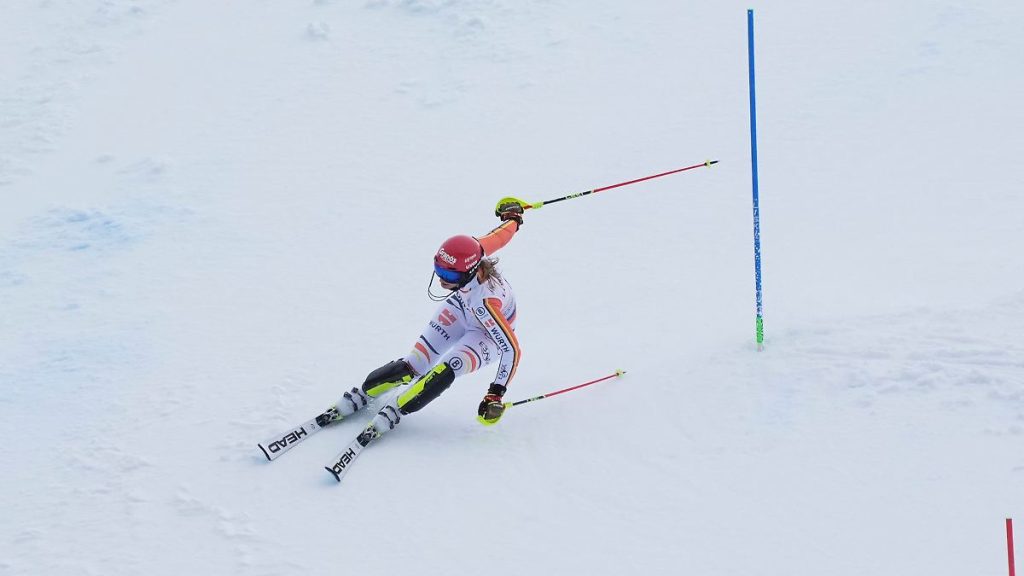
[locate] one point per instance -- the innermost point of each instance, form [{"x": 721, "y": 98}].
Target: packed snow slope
[{"x": 217, "y": 216}]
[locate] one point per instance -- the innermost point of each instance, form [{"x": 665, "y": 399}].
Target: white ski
[
  {"x": 340, "y": 465},
  {"x": 281, "y": 443}
]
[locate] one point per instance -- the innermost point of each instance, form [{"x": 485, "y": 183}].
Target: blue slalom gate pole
[{"x": 753, "y": 166}]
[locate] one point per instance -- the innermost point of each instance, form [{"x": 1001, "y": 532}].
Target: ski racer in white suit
[{"x": 473, "y": 327}]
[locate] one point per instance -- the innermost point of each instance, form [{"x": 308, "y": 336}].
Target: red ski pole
[
  {"x": 564, "y": 390},
  {"x": 620, "y": 184}
]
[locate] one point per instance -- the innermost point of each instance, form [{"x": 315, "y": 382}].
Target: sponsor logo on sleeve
[
  {"x": 437, "y": 328},
  {"x": 447, "y": 317},
  {"x": 499, "y": 339}
]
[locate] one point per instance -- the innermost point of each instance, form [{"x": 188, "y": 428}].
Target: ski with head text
[
  {"x": 278, "y": 444},
  {"x": 343, "y": 461}
]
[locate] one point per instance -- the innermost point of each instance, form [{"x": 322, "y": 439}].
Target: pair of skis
[{"x": 275, "y": 446}]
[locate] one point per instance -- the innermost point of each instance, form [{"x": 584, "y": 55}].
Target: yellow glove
[{"x": 510, "y": 209}]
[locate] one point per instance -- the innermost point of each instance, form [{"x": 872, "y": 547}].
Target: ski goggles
[{"x": 448, "y": 275}]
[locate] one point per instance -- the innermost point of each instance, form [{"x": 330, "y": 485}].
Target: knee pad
[
  {"x": 430, "y": 386},
  {"x": 387, "y": 377}
]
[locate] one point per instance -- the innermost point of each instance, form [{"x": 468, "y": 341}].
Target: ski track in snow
[{"x": 920, "y": 352}]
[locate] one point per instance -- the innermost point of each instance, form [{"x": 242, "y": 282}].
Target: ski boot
[{"x": 378, "y": 382}]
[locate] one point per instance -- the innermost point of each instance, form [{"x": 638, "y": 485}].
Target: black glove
[
  {"x": 510, "y": 209},
  {"x": 491, "y": 407}
]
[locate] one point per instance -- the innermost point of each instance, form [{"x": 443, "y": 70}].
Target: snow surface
[{"x": 217, "y": 216}]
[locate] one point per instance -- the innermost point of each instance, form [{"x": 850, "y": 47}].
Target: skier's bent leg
[
  {"x": 394, "y": 373},
  {"x": 419, "y": 394},
  {"x": 424, "y": 390},
  {"x": 471, "y": 353},
  {"x": 379, "y": 381}
]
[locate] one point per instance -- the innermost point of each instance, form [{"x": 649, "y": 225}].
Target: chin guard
[{"x": 436, "y": 297}]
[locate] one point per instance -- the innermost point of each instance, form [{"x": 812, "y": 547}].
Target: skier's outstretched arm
[
  {"x": 497, "y": 239},
  {"x": 510, "y": 211}
]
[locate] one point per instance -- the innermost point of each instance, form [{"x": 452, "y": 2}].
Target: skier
[{"x": 473, "y": 327}]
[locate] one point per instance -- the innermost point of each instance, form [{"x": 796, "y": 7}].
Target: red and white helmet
[{"x": 457, "y": 259}]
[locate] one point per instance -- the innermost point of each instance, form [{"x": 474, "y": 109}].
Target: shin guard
[
  {"x": 387, "y": 377},
  {"x": 424, "y": 390}
]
